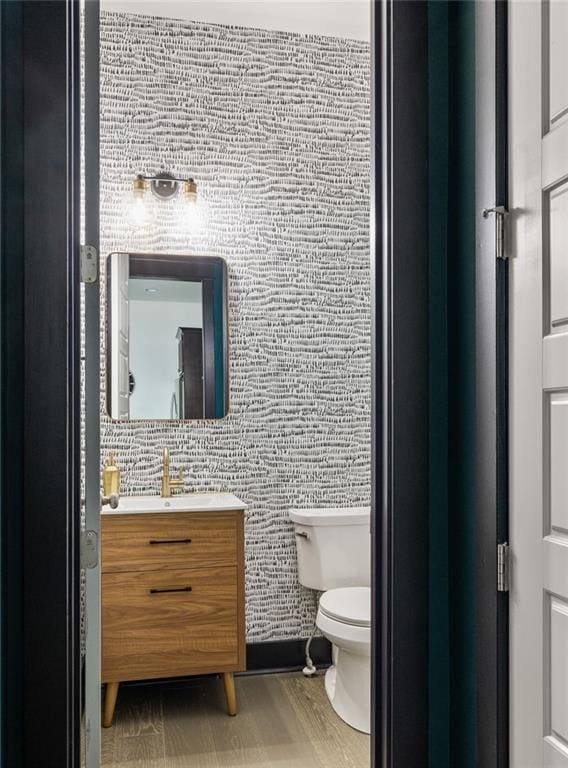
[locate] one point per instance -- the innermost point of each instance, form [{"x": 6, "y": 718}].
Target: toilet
[{"x": 334, "y": 557}]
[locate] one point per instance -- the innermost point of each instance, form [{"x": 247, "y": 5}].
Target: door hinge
[
  {"x": 89, "y": 264},
  {"x": 501, "y": 214},
  {"x": 503, "y": 567},
  {"x": 89, "y": 549}
]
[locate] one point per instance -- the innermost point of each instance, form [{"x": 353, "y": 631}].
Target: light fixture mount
[{"x": 164, "y": 186}]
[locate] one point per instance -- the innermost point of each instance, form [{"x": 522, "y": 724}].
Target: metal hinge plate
[
  {"x": 89, "y": 264},
  {"x": 503, "y": 567},
  {"x": 89, "y": 549},
  {"x": 500, "y": 213}
]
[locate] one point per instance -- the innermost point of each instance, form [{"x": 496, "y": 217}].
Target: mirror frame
[{"x": 186, "y": 267}]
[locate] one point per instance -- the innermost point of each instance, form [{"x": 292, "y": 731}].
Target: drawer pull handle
[
  {"x": 170, "y": 541},
  {"x": 170, "y": 589}
]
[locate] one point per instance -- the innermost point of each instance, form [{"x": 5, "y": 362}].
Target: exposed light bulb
[
  {"x": 139, "y": 213},
  {"x": 138, "y": 209},
  {"x": 193, "y": 218}
]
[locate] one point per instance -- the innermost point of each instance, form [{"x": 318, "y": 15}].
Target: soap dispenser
[{"x": 111, "y": 477}]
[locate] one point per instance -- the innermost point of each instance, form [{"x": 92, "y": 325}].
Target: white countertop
[{"x": 191, "y": 502}]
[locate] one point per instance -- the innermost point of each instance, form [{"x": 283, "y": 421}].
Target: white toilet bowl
[
  {"x": 344, "y": 617},
  {"x": 334, "y": 557}
]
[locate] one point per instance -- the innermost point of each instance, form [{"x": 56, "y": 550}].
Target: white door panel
[
  {"x": 555, "y": 577},
  {"x": 554, "y": 164},
  {"x": 555, "y": 754},
  {"x": 555, "y": 360},
  {"x": 538, "y": 199},
  {"x": 558, "y": 32},
  {"x": 558, "y": 238},
  {"x": 558, "y": 450},
  {"x": 559, "y": 667}
]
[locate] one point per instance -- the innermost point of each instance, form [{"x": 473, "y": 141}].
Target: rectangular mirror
[{"x": 167, "y": 337}]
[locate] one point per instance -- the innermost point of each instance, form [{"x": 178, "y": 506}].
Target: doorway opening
[{"x": 228, "y": 155}]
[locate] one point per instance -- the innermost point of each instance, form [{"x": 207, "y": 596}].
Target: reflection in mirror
[{"x": 167, "y": 348}]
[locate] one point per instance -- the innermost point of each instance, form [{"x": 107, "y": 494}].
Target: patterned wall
[{"x": 275, "y": 129}]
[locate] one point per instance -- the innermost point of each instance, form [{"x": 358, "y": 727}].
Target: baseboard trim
[
  {"x": 265, "y": 658},
  {"x": 284, "y": 655}
]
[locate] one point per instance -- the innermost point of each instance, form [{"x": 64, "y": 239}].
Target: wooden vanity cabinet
[{"x": 173, "y": 598}]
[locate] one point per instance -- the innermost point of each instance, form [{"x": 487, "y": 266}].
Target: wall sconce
[{"x": 165, "y": 186}]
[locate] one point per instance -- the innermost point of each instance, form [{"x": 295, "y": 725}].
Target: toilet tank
[{"x": 334, "y": 546}]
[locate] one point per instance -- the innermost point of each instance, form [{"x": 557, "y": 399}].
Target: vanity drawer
[
  {"x": 169, "y": 623},
  {"x": 145, "y": 542}
]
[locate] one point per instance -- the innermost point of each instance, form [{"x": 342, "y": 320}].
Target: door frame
[
  {"x": 40, "y": 399},
  {"x": 492, "y": 430},
  {"x": 400, "y": 426},
  {"x": 41, "y": 244},
  {"x": 92, "y": 384}
]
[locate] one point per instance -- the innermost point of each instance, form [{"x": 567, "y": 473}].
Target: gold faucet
[{"x": 169, "y": 482}]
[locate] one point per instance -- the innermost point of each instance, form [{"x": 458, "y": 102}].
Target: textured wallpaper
[{"x": 275, "y": 129}]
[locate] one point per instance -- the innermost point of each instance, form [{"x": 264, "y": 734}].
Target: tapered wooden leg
[
  {"x": 111, "y": 694},
  {"x": 230, "y": 693}
]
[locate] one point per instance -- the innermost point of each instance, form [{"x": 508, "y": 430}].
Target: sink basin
[{"x": 194, "y": 502}]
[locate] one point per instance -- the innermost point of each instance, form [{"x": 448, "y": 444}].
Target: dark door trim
[
  {"x": 41, "y": 452},
  {"x": 12, "y": 376},
  {"x": 51, "y": 492},
  {"x": 377, "y": 88},
  {"x": 492, "y": 480},
  {"x": 401, "y": 400}
]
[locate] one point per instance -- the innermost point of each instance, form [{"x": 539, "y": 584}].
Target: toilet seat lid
[{"x": 351, "y": 605}]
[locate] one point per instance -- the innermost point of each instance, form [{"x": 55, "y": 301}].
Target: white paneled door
[{"x": 538, "y": 201}]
